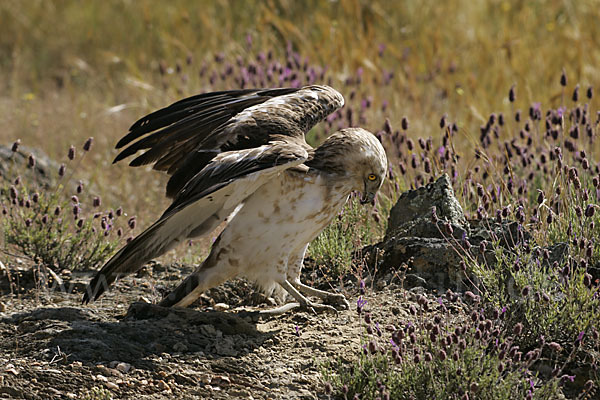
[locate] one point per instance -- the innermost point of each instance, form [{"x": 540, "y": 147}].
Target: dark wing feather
[
  {"x": 179, "y": 110},
  {"x": 182, "y": 120},
  {"x": 184, "y": 137}
]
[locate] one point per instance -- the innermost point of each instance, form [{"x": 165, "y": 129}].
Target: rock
[
  {"x": 221, "y": 307},
  {"x": 11, "y": 368},
  {"x": 430, "y": 248},
  {"x": 412, "y": 213},
  {"x": 13, "y": 164},
  {"x": 425, "y": 246},
  {"x": 123, "y": 367},
  {"x": 220, "y": 380},
  {"x": 164, "y": 386},
  {"x": 507, "y": 232}
]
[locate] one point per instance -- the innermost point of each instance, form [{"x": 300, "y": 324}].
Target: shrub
[
  {"x": 55, "y": 229},
  {"x": 444, "y": 356}
]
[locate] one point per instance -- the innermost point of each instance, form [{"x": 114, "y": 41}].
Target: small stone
[
  {"x": 221, "y": 380},
  {"x": 221, "y": 307},
  {"x": 112, "y": 386},
  {"x": 271, "y": 301},
  {"x": 123, "y": 367},
  {"x": 11, "y": 368},
  {"x": 101, "y": 378},
  {"x": 162, "y": 385}
]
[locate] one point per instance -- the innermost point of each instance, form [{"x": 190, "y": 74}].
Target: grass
[
  {"x": 73, "y": 70},
  {"x": 336, "y": 247}
]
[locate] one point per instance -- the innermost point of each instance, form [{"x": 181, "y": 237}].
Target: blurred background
[{"x": 72, "y": 69}]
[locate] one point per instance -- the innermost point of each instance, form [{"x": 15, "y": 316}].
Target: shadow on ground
[{"x": 146, "y": 330}]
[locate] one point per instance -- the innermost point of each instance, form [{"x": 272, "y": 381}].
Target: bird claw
[
  {"x": 313, "y": 308},
  {"x": 316, "y": 308},
  {"x": 337, "y": 299}
]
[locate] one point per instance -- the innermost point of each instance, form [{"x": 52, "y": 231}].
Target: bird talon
[
  {"x": 338, "y": 300},
  {"x": 316, "y": 308}
]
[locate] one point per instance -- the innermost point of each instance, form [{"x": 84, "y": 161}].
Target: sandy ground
[{"x": 123, "y": 347}]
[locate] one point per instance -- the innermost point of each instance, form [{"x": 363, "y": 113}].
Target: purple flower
[
  {"x": 441, "y": 151},
  {"x": 580, "y": 336},
  {"x": 570, "y": 378},
  {"x": 16, "y": 145},
  {"x": 360, "y": 303}
]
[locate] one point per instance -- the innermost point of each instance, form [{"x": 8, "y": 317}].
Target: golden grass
[{"x": 66, "y": 64}]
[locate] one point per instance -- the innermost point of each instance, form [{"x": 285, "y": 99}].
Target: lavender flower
[
  {"x": 15, "y": 145},
  {"x": 88, "y": 144},
  {"x": 71, "y": 153}
]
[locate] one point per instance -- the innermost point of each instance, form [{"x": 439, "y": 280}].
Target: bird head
[
  {"x": 354, "y": 158},
  {"x": 368, "y": 164}
]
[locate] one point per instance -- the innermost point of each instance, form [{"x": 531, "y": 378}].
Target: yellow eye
[{"x": 372, "y": 177}]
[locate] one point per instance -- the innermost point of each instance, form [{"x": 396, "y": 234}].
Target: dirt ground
[{"x": 123, "y": 347}]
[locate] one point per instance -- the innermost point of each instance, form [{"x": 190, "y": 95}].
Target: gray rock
[
  {"x": 432, "y": 248},
  {"x": 412, "y": 213},
  {"x": 13, "y": 164},
  {"x": 432, "y": 262}
]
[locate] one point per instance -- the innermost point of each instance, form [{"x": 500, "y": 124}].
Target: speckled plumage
[{"x": 255, "y": 171}]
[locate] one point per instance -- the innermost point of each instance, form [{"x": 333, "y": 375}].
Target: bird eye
[{"x": 372, "y": 177}]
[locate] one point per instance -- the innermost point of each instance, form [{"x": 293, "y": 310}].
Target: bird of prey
[{"x": 240, "y": 156}]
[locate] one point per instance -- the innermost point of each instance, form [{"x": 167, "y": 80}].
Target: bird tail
[{"x": 159, "y": 238}]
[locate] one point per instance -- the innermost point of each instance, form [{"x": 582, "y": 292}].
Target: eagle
[{"x": 240, "y": 157}]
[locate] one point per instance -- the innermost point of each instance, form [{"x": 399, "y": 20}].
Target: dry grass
[{"x": 66, "y": 64}]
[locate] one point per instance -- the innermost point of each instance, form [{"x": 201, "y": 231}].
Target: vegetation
[
  {"x": 53, "y": 230},
  {"x": 336, "y": 247},
  {"x": 499, "y": 95}
]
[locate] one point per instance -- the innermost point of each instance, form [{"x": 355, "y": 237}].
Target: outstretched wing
[
  {"x": 219, "y": 149},
  {"x": 206, "y": 201},
  {"x": 183, "y": 138}
]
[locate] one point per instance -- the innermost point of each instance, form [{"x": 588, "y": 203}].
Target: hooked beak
[{"x": 367, "y": 197}]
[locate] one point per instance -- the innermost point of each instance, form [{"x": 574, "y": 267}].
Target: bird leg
[
  {"x": 336, "y": 299},
  {"x": 303, "y": 302}
]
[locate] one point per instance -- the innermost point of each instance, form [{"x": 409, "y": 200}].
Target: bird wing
[
  {"x": 219, "y": 149},
  {"x": 206, "y": 201},
  {"x": 184, "y": 137}
]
